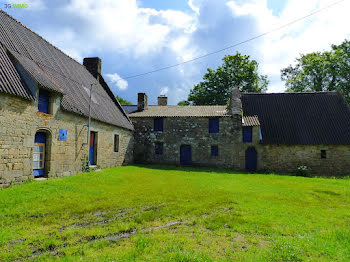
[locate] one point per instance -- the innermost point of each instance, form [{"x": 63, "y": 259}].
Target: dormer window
[{"x": 44, "y": 101}]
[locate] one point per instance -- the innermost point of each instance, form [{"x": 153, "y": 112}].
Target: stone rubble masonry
[
  {"x": 283, "y": 158},
  {"x": 20, "y": 120},
  {"x": 193, "y": 131}
]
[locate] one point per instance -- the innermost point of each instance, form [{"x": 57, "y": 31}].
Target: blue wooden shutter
[
  {"x": 158, "y": 124},
  {"x": 43, "y": 101},
  {"x": 62, "y": 135},
  {"x": 214, "y": 150},
  {"x": 213, "y": 125},
  {"x": 247, "y": 133}
]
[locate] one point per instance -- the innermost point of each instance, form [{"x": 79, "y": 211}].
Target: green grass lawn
[{"x": 174, "y": 214}]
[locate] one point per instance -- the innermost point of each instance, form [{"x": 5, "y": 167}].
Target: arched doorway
[
  {"x": 41, "y": 153},
  {"x": 251, "y": 160}
]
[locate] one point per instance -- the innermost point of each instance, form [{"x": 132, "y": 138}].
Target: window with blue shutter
[
  {"x": 214, "y": 151},
  {"x": 159, "y": 148},
  {"x": 247, "y": 133},
  {"x": 158, "y": 124},
  {"x": 43, "y": 101},
  {"x": 213, "y": 125}
]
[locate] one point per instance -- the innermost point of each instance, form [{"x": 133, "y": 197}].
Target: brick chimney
[
  {"x": 162, "y": 100},
  {"x": 141, "y": 101},
  {"x": 235, "y": 105},
  {"x": 93, "y": 65}
]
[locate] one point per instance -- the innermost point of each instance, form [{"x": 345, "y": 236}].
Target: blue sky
[{"x": 136, "y": 36}]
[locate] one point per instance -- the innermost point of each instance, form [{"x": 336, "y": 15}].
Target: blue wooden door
[
  {"x": 39, "y": 154},
  {"x": 185, "y": 155},
  {"x": 251, "y": 160},
  {"x": 92, "y": 150}
]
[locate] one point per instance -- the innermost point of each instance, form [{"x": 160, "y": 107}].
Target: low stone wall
[
  {"x": 287, "y": 158},
  {"x": 193, "y": 131},
  {"x": 19, "y": 121}
]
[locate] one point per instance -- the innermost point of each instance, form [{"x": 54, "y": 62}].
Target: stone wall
[
  {"x": 20, "y": 120},
  {"x": 286, "y": 158},
  {"x": 193, "y": 131}
]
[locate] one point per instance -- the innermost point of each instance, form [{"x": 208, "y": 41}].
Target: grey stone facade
[{"x": 187, "y": 131}]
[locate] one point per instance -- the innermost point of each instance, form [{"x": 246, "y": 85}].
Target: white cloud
[
  {"x": 193, "y": 6},
  {"x": 164, "y": 91},
  {"x": 125, "y": 28},
  {"x": 121, "y": 83},
  {"x": 316, "y": 33}
]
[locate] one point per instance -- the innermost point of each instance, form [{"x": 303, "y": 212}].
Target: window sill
[{"x": 44, "y": 115}]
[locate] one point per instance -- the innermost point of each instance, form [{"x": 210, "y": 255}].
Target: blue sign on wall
[{"x": 62, "y": 135}]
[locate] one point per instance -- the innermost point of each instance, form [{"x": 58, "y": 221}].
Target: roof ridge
[{"x": 20, "y": 23}]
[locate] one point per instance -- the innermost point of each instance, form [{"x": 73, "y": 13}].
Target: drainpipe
[{"x": 88, "y": 135}]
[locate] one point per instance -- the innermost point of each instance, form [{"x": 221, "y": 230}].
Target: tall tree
[
  {"x": 236, "y": 71},
  {"x": 320, "y": 71},
  {"x": 183, "y": 103},
  {"x": 122, "y": 101}
]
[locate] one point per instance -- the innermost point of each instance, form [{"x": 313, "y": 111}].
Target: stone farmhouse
[
  {"x": 44, "y": 109},
  {"x": 44, "y": 115},
  {"x": 267, "y": 132}
]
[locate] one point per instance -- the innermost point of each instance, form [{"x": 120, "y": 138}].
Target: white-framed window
[{"x": 39, "y": 156}]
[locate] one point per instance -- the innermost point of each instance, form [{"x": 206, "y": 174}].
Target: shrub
[
  {"x": 303, "y": 171},
  {"x": 85, "y": 166}
]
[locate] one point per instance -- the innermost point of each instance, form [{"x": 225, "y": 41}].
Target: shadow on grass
[
  {"x": 230, "y": 171},
  {"x": 193, "y": 169}
]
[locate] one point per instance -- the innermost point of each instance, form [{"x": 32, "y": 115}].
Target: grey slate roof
[
  {"x": 300, "y": 118},
  {"x": 55, "y": 71},
  {"x": 129, "y": 108},
  {"x": 182, "y": 111},
  {"x": 10, "y": 80}
]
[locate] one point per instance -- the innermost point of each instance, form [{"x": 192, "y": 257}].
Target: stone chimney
[
  {"x": 162, "y": 100},
  {"x": 141, "y": 101},
  {"x": 235, "y": 105},
  {"x": 93, "y": 65}
]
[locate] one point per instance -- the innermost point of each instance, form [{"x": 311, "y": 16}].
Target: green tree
[
  {"x": 320, "y": 71},
  {"x": 236, "y": 71},
  {"x": 122, "y": 101},
  {"x": 183, "y": 103}
]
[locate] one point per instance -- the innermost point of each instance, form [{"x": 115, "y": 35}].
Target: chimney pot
[
  {"x": 93, "y": 65},
  {"x": 162, "y": 101},
  {"x": 141, "y": 101}
]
